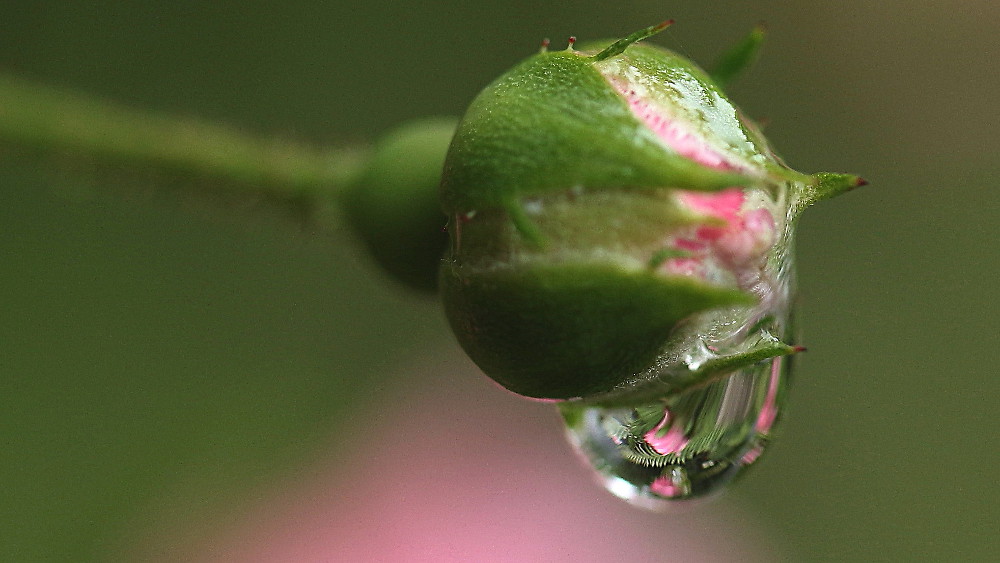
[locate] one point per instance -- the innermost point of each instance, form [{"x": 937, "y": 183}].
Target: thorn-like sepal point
[
  {"x": 618, "y": 47},
  {"x": 826, "y": 185}
]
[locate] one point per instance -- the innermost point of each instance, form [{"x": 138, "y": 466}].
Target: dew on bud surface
[
  {"x": 662, "y": 448},
  {"x": 685, "y": 446}
]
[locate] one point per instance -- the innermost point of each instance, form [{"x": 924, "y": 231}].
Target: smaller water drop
[{"x": 686, "y": 446}]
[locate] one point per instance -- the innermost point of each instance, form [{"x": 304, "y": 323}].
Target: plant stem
[{"x": 54, "y": 121}]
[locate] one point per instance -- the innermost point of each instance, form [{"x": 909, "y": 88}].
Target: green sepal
[
  {"x": 734, "y": 61},
  {"x": 687, "y": 93},
  {"x": 553, "y": 123},
  {"x": 825, "y": 185},
  {"x": 682, "y": 380},
  {"x": 618, "y": 47},
  {"x": 568, "y": 330},
  {"x": 394, "y": 205},
  {"x": 576, "y": 225}
]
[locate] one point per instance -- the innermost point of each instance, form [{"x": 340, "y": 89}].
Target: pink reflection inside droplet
[
  {"x": 769, "y": 411},
  {"x": 670, "y": 443},
  {"x": 665, "y": 487}
]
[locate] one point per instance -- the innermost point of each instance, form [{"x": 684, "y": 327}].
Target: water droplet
[{"x": 685, "y": 446}]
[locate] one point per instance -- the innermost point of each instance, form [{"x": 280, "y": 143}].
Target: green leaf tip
[
  {"x": 826, "y": 185},
  {"x": 618, "y": 47},
  {"x": 524, "y": 225},
  {"x": 739, "y": 57},
  {"x": 658, "y": 389}
]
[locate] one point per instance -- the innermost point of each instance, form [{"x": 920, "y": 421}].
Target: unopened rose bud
[{"x": 605, "y": 205}]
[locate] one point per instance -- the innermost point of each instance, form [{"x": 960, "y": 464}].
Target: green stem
[
  {"x": 53, "y": 121},
  {"x": 387, "y": 194}
]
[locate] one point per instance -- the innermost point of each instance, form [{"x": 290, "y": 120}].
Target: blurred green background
[{"x": 164, "y": 363}]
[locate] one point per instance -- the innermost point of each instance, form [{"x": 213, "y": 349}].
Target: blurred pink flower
[{"x": 468, "y": 475}]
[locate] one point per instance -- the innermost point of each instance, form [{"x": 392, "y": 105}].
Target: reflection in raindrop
[{"x": 685, "y": 446}]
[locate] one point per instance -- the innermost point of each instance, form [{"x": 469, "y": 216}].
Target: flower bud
[
  {"x": 607, "y": 205},
  {"x": 393, "y": 205}
]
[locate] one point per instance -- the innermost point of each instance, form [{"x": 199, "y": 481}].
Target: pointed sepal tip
[
  {"x": 734, "y": 61},
  {"x": 618, "y": 47},
  {"x": 826, "y": 185}
]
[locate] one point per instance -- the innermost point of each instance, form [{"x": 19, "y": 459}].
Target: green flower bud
[
  {"x": 608, "y": 207},
  {"x": 394, "y": 206}
]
